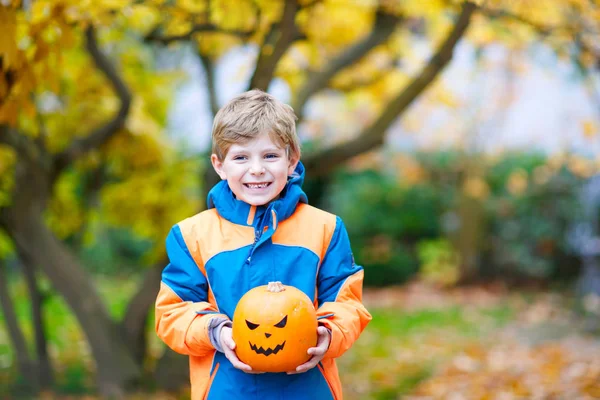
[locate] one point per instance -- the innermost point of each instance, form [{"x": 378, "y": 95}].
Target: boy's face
[{"x": 256, "y": 171}]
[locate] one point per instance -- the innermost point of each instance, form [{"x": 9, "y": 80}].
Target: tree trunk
[
  {"x": 116, "y": 367},
  {"x": 136, "y": 315},
  {"x": 468, "y": 240},
  {"x": 209, "y": 179},
  {"x": 588, "y": 282},
  {"x": 25, "y": 364},
  {"x": 588, "y": 287},
  {"x": 172, "y": 371},
  {"x": 45, "y": 372}
]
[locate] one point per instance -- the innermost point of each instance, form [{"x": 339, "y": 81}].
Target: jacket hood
[{"x": 229, "y": 207}]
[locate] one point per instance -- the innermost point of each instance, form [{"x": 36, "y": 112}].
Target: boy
[{"x": 258, "y": 228}]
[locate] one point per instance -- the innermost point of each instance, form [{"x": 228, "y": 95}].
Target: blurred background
[{"x": 458, "y": 140}]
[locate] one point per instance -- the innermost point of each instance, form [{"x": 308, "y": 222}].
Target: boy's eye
[
  {"x": 272, "y": 155},
  {"x": 236, "y": 158}
]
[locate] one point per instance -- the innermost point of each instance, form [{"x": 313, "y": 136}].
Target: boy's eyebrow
[
  {"x": 270, "y": 149},
  {"x": 267, "y": 150}
]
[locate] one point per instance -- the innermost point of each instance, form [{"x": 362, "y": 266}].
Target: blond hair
[{"x": 248, "y": 115}]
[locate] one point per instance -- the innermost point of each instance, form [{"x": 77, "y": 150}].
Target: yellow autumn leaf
[
  {"x": 409, "y": 170},
  {"x": 178, "y": 27},
  {"x": 541, "y": 174},
  {"x": 65, "y": 214},
  {"x": 419, "y": 8},
  {"x": 139, "y": 122},
  {"x": 580, "y": 166},
  {"x": 8, "y": 43},
  {"x": 517, "y": 182},
  {"x": 233, "y": 14},
  {"x": 373, "y": 65},
  {"x": 476, "y": 188},
  {"x": 111, "y": 4},
  {"x": 445, "y": 96},
  {"x": 334, "y": 24},
  {"x": 590, "y": 129},
  {"x": 193, "y": 6},
  {"x": 143, "y": 18},
  {"x": 215, "y": 44}
]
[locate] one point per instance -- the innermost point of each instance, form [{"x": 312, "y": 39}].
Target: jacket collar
[{"x": 222, "y": 198}]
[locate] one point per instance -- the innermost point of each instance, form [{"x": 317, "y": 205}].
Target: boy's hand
[
  {"x": 228, "y": 349},
  {"x": 317, "y": 353}
]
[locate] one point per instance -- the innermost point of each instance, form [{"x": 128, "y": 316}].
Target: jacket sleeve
[
  {"x": 183, "y": 314},
  {"x": 339, "y": 294}
]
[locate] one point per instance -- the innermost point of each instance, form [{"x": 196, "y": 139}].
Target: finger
[
  {"x": 230, "y": 343},
  {"x": 244, "y": 367},
  {"x": 317, "y": 351},
  {"x": 235, "y": 361},
  {"x": 305, "y": 367},
  {"x": 321, "y": 330},
  {"x": 323, "y": 335},
  {"x": 241, "y": 366},
  {"x": 308, "y": 365},
  {"x": 299, "y": 369}
]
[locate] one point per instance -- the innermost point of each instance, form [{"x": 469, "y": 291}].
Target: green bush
[
  {"x": 384, "y": 221},
  {"x": 114, "y": 251},
  {"x": 527, "y": 233},
  {"x": 527, "y": 207}
]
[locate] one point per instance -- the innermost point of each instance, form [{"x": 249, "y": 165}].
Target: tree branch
[
  {"x": 365, "y": 81},
  {"x": 154, "y": 36},
  {"x": 503, "y": 14},
  {"x": 26, "y": 147},
  {"x": 45, "y": 373},
  {"x": 586, "y": 74},
  {"x": 322, "y": 162},
  {"x": 279, "y": 38},
  {"x": 20, "y": 143},
  {"x": 383, "y": 27},
  {"x": 101, "y": 134},
  {"x": 209, "y": 73},
  {"x": 25, "y": 363},
  {"x": 43, "y": 133},
  {"x": 8, "y": 136}
]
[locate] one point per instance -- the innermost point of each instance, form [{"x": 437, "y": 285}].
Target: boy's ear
[
  {"x": 218, "y": 166},
  {"x": 293, "y": 163}
]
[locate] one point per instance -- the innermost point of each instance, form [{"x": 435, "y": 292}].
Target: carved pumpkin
[{"x": 273, "y": 327}]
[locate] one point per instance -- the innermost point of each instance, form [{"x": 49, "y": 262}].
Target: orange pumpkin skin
[{"x": 274, "y": 329}]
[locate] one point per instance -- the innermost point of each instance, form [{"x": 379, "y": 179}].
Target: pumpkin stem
[{"x": 275, "y": 287}]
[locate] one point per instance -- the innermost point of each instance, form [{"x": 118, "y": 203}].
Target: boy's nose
[
  {"x": 268, "y": 335},
  {"x": 257, "y": 170}
]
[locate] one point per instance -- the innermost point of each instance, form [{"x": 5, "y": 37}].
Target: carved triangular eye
[
  {"x": 281, "y": 323},
  {"x": 251, "y": 325}
]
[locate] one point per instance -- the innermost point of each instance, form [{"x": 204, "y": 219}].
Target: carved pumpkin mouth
[{"x": 269, "y": 351}]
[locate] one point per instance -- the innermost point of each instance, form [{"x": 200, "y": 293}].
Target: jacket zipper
[
  {"x": 257, "y": 235},
  {"x": 258, "y": 232}
]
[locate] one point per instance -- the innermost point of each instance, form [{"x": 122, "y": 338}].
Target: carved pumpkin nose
[{"x": 268, "y": 335}]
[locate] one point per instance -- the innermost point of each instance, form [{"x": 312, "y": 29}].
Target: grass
[{"x": 398, "y": 350}]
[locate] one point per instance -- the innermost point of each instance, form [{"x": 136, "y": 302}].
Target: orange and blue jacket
[{"x": 218, "y": 255}]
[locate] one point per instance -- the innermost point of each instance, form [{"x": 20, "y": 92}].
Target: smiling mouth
[
  {"x": 257, "y": 185},
  {"x": 267, "y": 352}
]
